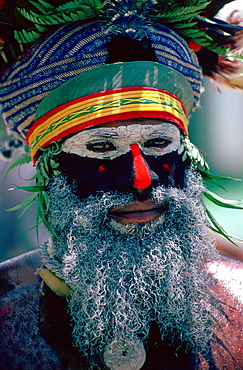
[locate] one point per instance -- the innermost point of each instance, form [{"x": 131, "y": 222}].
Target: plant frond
[
  {"x": 189, "y": 150},
  {"x": 46, "y": 168},
  {"x": 221, "y": 202},
  {"x": 23, "y": 204},
  {"x": 19, "y": 161},
  {"x": 215, "y": 226}
]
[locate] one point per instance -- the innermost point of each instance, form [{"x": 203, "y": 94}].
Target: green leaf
[
  {"x": 46, "y": 200},
  {"x": 34, "y": 188},
  {"x": 41, "y": 215},
  {"x": 218, "y": 228},
  {"x": 187, "y": 25},
  {"x": 232, "y": 55},
  {"x": 181, "y": 13},
  {"x": 66, "y": 18},
  {"x": 19, "y": 161},
  {"x": 213, "y": 182},
  {"x": 213, "y": 179},
  {"x": 234, "y": 204},
  {"x": 181, "y": 149},
  {"x": 219, "y": 178},
  {"x": 40, "y": 28},
  {"x": 192, "y": 152},
  {"x": 23, "y": 204},
  {"x": 42, "y": 6},
  {"x": 53, "y": 164},
  {"x": 26, "y": 208}
]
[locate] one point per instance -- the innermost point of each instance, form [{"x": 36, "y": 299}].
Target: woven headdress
[{"x": 82, "y": 63}]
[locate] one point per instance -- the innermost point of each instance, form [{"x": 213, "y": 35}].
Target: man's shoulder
[
  {"x": 22, "y": 346},
  {"x": 229, "y": 274},
  {"x": 228, "y": 329},
  {"x": 20, "y": 271}
]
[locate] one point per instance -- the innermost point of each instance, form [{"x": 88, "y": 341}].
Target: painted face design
[
  {"x": 112, "y": 142},
  {"x": 126, "y": 157}
]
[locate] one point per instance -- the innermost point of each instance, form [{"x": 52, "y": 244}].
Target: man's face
[
  {"x": 131, "y": 156},
  {"x": 129, "y": 213}
]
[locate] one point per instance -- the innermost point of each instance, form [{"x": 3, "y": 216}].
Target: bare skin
[{"x": 226, "y": 248}]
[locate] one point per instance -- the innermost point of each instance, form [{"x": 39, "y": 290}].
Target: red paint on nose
[{"x": 142, "y": 178}]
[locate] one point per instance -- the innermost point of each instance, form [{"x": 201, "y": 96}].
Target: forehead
[
  {"x": 128, "y": 130},
  {"x": 131, "y": 127},
  {"x": 127, "y": 122}
]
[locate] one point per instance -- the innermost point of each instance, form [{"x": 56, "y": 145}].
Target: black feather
[{"x": 215, "y": 7}]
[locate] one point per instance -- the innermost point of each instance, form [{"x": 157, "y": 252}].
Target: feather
[
  {"x": 27, "y": 21},
  {"x": 229, "y": 72}
]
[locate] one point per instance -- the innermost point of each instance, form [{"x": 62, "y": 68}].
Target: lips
[{"x": 137, "y": 212}]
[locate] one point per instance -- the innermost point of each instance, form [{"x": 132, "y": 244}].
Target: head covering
[
  {"x": 77, "y": 49},
  {"x": 118, "y": 91}
]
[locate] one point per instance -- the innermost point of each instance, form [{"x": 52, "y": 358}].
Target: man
[{"x": 130, "y": 276}]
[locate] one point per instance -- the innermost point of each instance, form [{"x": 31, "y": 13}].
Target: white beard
[{"x": 125, "y": 277}]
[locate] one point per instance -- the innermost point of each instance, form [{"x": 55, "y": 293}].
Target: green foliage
[
  {"x": 215, "y": 226},
  {"x": 19, "y": 161},
  {"x": 47, "y": 15},
  {"x": 175, "y": 13},
  {"x": 191, "y": 152},
  {"x": 45, "y": 168},
  {"x": 184, "y": 18},
  {"x": 218, "y": 201}
]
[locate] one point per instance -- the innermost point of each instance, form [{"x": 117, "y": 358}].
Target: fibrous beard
[{"x": 125, "y": 277}]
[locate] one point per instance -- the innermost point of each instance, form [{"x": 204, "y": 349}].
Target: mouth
[{"x": 137, "y": 212}]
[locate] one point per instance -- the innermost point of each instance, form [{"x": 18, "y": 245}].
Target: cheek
[
  {"x": 88, "y": 175},
  {"x": 169, "y": 168}
]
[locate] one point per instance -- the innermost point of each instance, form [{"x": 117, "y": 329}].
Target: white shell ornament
[{"x": 124, "y": 355}]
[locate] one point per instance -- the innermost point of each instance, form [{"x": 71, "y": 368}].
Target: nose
[{"x": 143, "y": 176}]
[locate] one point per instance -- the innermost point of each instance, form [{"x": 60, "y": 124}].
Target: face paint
[
  {"x": 111, "y": 142},
  {"x": 131, "y": 158},
  {"x": 142, "y": 178}
]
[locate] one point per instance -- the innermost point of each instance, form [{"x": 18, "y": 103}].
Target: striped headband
[{"x": 111, "y": 92}]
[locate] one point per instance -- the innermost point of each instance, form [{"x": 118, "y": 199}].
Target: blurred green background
[{"x": 216, "y": 128}]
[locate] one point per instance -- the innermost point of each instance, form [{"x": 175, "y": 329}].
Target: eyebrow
[{"x": 105, "y": 134}]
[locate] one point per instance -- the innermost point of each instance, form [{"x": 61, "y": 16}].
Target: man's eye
[
  {"x": 157, "y": 143},
  {"x": 101, "y": 146}
]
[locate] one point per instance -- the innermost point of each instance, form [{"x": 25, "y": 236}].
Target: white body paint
[{"x": 121, "y": 138}]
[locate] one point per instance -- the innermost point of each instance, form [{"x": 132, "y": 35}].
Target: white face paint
[{"x": 111, "y": 142}]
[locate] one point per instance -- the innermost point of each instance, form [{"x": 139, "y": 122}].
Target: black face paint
[{"x": 89, "y": 175}]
